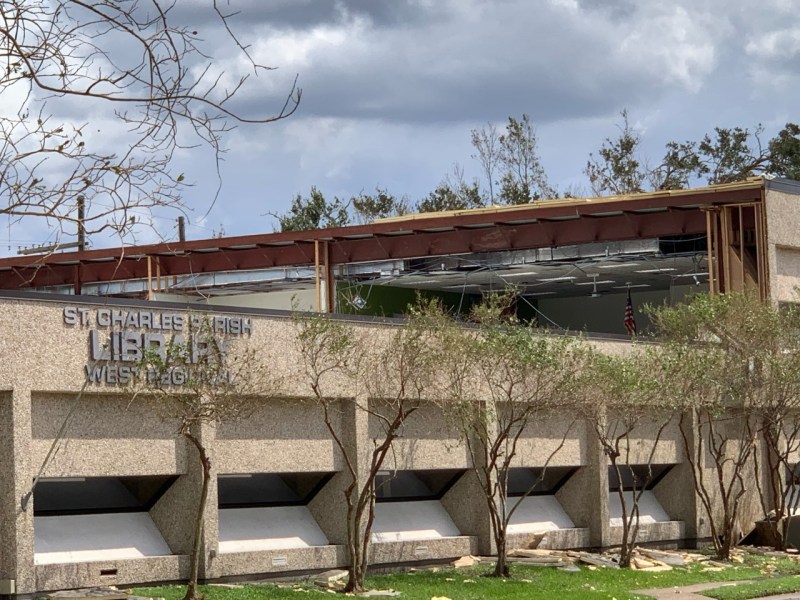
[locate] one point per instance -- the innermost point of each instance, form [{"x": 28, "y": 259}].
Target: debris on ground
[
  {"x": 542, "y": 558},
  {"x": 95, "y": 593},
  {"x": 335, "y": 579},
  {"x": 465, "y": 561},
  {"x": 674, "y": 559},
  {"x": 642, "y": 559},
  {"x": 596, "y": 560},
  {"x": 639, "y": 563},
  {"x": 768, "y": 551}
]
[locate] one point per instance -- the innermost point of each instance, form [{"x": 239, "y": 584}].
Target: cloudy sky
[{"x": 392, "y": 88}]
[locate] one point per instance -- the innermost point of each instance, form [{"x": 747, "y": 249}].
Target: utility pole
[
  {"x": 181, "y": 229},
  {"x": 81, "y": 218}
]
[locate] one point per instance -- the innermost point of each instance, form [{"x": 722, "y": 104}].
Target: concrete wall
[
  {"x": 109, "y": 432},
  {"x": 783, "y": 244}
]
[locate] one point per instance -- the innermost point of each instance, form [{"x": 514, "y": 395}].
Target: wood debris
[
  {"x": 674, "y": 559},
  {"x": 541, "y": 557},
  {"x": 596, "y": 560},
  {"x": 465, "y": 561},
  {"x": 334, "y": 579}
]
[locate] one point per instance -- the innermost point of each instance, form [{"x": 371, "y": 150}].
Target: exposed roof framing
[{"x": 536, "y": 225}]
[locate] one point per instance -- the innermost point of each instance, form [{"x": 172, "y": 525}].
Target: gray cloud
[{"x": 392, "y": 87}]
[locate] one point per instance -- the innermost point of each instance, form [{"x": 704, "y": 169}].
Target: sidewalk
[{"x": 691, "y": 592}]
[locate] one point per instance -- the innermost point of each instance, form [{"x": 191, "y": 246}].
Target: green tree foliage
[
  {"x": 387, "y": 376},
  {"x": 221, "y": 380},
  {"x": 445, "y": 197},
  {"x": 314, "y": 212},
  {"x": 624, "y": 407},
  {"x": 381, "y": 204},
  {"x": 617, "y": 169},
  {"x": 523, "y": 178},
  {"x": 497, "y": 380},
  {"x": 784, "y": 152},
  {"x": 679, "y": 165},
  {"x": 453, "y": 193},
  {"x": 736, "y": 376},
  {"x": 510, "y": 161},
  {"x": 514, "y": 173},
  {"x": 733, "y": 154},
  {"x": 724, "y": 156}
]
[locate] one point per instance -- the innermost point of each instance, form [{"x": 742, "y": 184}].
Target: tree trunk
[
  {"x": 191, "y": 588},
  {"x": 501, "y": 567},
  {"x": 725, "y": 548},
  {"x": 626, "y": 546},
  {"x": 356, "y": 572}
]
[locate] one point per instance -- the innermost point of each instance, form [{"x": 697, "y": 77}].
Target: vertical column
[
  {"x": 466, "y": 501},
  {"x": 676, "y": 492},
  {"x": 17, "y": 573},
  {"x": 329, "y": 507},
  {"x": 175, "y": 513},
  {"x": 585, "y": 495}
]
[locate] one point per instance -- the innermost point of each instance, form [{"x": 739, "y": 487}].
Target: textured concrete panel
[
  {"x": 667, "y": 531},
  {"x": 105, "y": 436},
  {"x": 538, "y": 514},
  {"x": 268, "y": 528},
  {"x": 282, "y": 436},
  {"x": 650, "y": 510},
  {"x": 111, "y": 572},
  {"x": 410, "y": 551},
  {"x": 279, "y": 561},
  {"x": 405, "y": 521},
  {"x": 557, "y": 539},
  {"x": 783, "y": 223},
  {"x": 88, "y": 538}
]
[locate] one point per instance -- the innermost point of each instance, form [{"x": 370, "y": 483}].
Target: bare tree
[
  {"x": 386, "y": 379},
  {"x": 624, "y": 407},
  {"x": 497, "y": 380},
  {"x": 486, "y": 142},
  {"x": 67, "y": 57},
  {"x": 205, "y": 379}
]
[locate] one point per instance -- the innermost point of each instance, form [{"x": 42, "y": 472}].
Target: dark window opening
[
  {"x": 269, "y": 489},
  {"x": 395, "y": 486},
  {"x": 636, "y": 477},
  {"x": 92, "y": 495},
  {"x": 538, "y": 481}
]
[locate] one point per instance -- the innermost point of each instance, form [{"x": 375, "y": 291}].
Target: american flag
[{"x": 629, "y": 321}]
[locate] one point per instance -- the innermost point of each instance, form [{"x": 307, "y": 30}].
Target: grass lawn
[
  {"x": 757, "y": 589},
  {"x": 527, "y": 582}
]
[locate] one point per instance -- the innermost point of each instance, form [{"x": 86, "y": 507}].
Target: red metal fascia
[{"x": 379, "y": 247}]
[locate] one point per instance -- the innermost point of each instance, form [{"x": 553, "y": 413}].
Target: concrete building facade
[{"x": 116, "y": 491}]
